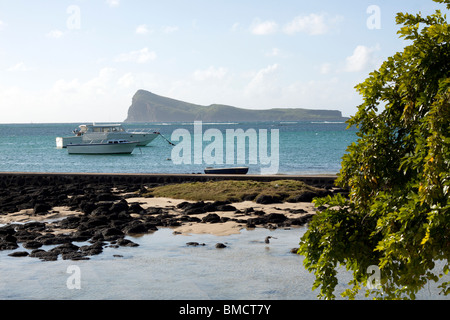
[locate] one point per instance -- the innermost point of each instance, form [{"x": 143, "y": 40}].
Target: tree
[{"x": 397, "y": 215}]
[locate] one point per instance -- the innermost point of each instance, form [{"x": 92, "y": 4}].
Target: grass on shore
[{"x": 231, "y": 190}]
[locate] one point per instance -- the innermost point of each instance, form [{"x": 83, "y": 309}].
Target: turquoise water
[
  {"x": 304, "y": 148},
  {"x": 164, "y": 267}
]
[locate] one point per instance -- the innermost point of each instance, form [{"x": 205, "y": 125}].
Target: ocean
[{"x": 303, "y": 148}]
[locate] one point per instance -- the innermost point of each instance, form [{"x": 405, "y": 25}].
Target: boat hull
[
  {"x": 236, "y": 170},
  {"x": 142, "y": 139},
  {"x": 101, "y": 148}
]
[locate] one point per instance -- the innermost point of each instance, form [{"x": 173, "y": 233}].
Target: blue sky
[{"x": 82, "y": 60}]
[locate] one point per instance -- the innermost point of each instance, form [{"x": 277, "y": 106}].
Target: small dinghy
[{"x": 235, "y": 170}]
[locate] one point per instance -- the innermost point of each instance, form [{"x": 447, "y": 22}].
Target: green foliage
[
  {"x": 233, "y": 190},
  {"x": 397, "y": 216}
]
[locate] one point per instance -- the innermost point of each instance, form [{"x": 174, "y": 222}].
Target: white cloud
[
  {"x": 312, "y": 24},
  {"x": 211, "y": 73},
  {"x": 138, "y": 56},
  {"x": 113, "y": 3},
  {"x": 325, "y": 68},
  {"x": 362, "y": 58},
  {"x": 96, "y": 85},
  {"x": 20, "y": 66},
  {"x": 331, "y": 93},
  {"x": 273, "y": 53},
  {"x": 259, "y": 27},
  {"x": 142, "y": 29},
  {"x": 235, "y": 27},
  {"x": 2, "y": 25},
  {"x": 56, "y": 34},
  {"x": 170, "y": 29},
  {"x": 127, "y": 80},
  {"x": 96, "y": 98},
  {"x": 263, "y": 83}
]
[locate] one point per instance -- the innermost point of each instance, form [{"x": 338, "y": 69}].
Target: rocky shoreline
[{"x": 67, "y": 216}]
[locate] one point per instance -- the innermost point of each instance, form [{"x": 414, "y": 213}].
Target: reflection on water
[{"x": 164, "y": 267}]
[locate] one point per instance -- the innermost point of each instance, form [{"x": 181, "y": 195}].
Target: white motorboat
[
  {"x": 98, "y": 132},
  {"x": 119, "y": 146}
]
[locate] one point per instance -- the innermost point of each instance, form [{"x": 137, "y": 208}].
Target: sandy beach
[
  {"x": 236, "y": 219},
  {"x": 66, "y": 213}
]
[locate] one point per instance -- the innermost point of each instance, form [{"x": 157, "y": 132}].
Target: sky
[{"x": 83, "y": 60}]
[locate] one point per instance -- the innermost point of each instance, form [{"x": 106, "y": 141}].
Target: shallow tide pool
[{"x": 164, "y": 267}]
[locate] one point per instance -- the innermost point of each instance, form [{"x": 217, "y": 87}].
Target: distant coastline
[{"x": 149, "y": 107}]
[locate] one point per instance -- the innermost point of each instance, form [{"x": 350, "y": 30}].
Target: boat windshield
[{"x": 105, "y": 129}]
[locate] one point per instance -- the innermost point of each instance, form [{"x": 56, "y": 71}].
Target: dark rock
[
  {"x": 9, "y": 238},
  {"x": 192, "y": 208},
  {"x": 5, "y": 230},
  {"x": 81, "y": 235},
  {"x": 64, "y": 248},
  {"x": 211, "y": 218},
  {"x": 276, "y": 218},
  {"x": 172, "y": 223},
  {"x": 226, "y": 207},
  {"x": 134, "y": 228},
  {"x": 123, "y": 215},
  {"x": 94, "y": 222},
  {"x": 34, "y": 226},
  {"x": 69, "y": 222},
  {"x": 41, "y": 208},
  {"x": 301, "y": 220},
  {"x": 25, "y": 235},
  {"x": 256, "y": 221},
  {"x": 106, "y": 196},
  {"x": 126, "y": 243},
  {"x": 44, "y": 255},
  {"x": 217, "y": 206},
  {"x": 220, "y": 245},
  {"x": 87, "y": 207},
  {"x": 32, "y": 244},
  {"x": 267, "y": 199},
  {"x": 194, "y": 244},
  {"x": 6, "y": 245},
  {"x": 151, "y": 226},
  {"x": 93, "y": 249},
  {"x": 49, "y": 239},
  {"x": 18, "y": 254},
  {"x": 249, "y": 197},
  {"x": 296, "y": 211},
  {"x": 101, "y": 209},
  {"x": 153, "y": 210},
  {"x": 181, "y": 205},
  {"x": 111, "y": 232},
  {"x": 120, "y": 206},
  {"x": 74, "y": 256},
  {"x": 136, "y": 208}
]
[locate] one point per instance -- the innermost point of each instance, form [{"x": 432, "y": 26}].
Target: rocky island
[{"x": 149, "y": 107}]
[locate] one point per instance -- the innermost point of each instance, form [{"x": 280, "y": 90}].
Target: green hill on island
[{"x": 149, "y": 107}]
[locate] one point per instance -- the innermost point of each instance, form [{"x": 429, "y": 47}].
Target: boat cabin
[{"x": 99, "y": 128}]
